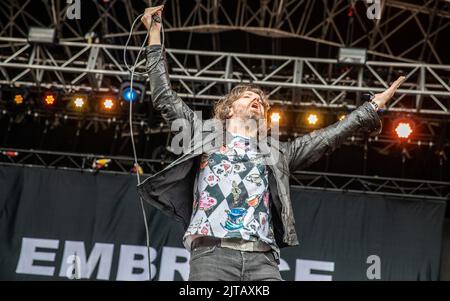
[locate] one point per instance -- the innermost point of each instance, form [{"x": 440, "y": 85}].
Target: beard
[{"x": 255, "y": 115}]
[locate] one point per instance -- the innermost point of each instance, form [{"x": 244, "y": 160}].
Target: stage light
[
  {"x": 404, "y": 129},
  {"x": 108, "y": 103},
  {"x": 352, "y": 56},
  {"x": 275, "y": 117},
  {"x": 129, "y": 95},
  {"x": 49, "y": 99},
  {"x": 342, "y": 117},
  {"x": 10, "y": 154},
  {"x": 100, "y": 163},
  {"x": 42, "y": 35},
  {"x": 137, "y": 94},
  {"x": 18, "y": 99},
  {"x": 312, "y": 119},
  {"x": 79, "y": 102}
]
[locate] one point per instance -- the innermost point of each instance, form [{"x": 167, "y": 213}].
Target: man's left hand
[{"x": 382, "y": 98}]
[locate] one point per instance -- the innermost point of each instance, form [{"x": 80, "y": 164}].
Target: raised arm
[
  {"x": 309, "y": 148},
  {"x": 164, "y": 98}
]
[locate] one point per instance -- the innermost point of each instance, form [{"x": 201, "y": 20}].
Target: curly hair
[{"x": 223, "y": 105}]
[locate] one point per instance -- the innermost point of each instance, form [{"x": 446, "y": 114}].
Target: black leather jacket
[{"x": 171, "y": 190}]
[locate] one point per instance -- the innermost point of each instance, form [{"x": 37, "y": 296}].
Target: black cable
[{"x": 133, "y": 72}]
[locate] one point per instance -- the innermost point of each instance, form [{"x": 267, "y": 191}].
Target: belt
[
  {"x": 205, "y": 241},
  {"x": 231, "y": 243}
]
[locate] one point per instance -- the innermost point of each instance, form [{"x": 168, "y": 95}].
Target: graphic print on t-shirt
[{"x": 231, "y": 197}]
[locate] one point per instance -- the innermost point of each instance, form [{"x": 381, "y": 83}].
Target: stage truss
[
  {"x": 74, "y": 64},
  {"x": 88, "y": 56},
  {"x": 407, "y": 188},
  {"x": 318, "y": 21},
  {"x": 296, "y": 81}
]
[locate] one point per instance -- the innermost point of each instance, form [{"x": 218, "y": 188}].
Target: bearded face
[{"x": 248, "y": 106}]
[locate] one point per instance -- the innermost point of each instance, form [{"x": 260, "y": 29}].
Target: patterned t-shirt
[{"x": 231, "y": 196}]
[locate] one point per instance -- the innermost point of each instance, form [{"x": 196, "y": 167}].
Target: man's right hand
[{"x": 152, "y": 27}]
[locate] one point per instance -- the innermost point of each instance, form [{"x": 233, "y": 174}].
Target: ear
[{"x": 230, "y": 112}]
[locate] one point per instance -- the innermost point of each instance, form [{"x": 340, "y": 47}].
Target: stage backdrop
[{"x": 59, "y": 225}]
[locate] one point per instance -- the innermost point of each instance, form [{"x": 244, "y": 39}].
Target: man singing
[{"x": 236, "y": 208}]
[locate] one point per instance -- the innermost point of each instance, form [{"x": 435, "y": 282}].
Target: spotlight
[
  {"x": 129, "y": 95},
  {"x": 108, "y": 103},
  {"x": 404, "y": 129},
  {"x": 49, "y": 99},
  {"x": 100, "y": 163},
  {"x": 352, "y": 56},
  {"x": 135, "y": 94},
  {"x": 79, "y": 102},
  {"x": 275, "y": 117},
  {"x": 10, "y": 154},
  {"x": 312, "y": 119},
  {"x": 42, "y": 35},
  {"x": 18, "y": 99}
]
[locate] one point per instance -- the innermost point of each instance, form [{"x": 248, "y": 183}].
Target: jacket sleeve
[
  {"x": 163, "y": 97},
  {"x": 309, "y": 148}
]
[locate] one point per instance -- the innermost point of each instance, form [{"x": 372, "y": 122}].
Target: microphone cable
[{"x": 132, "y": 70}]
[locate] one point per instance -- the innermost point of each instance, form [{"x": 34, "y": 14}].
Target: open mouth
[{"x": 255, "y": 105}]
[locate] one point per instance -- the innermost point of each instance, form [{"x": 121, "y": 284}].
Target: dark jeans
[{"x": 223, "y": 264}]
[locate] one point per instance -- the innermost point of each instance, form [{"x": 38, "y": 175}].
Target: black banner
[{"x": 60, "y": 225}]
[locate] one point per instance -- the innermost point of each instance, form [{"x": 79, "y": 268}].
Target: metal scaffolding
[
  {"x": 290, "y": 80},
  {"x": 87, "y": 56},
  {"x": 407, "y": 188},
  {"x": 319, "y": 21}
]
